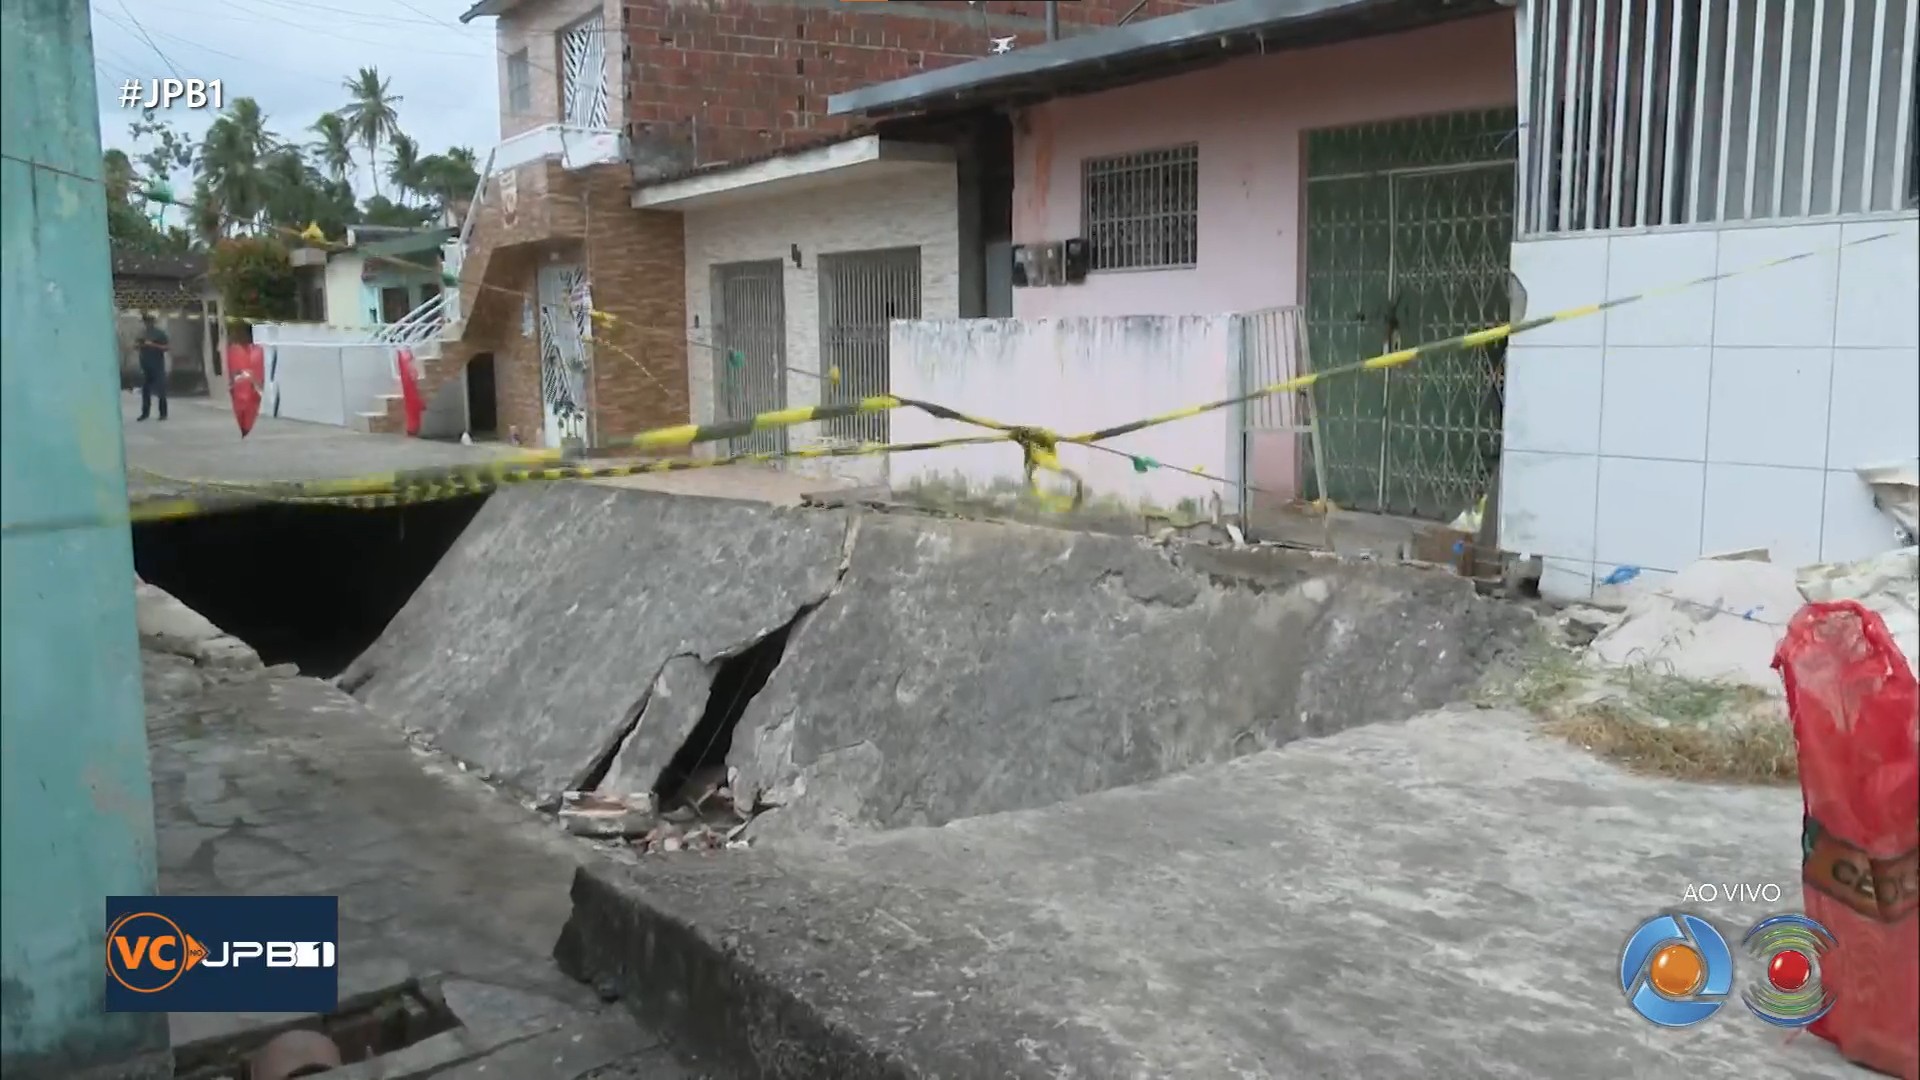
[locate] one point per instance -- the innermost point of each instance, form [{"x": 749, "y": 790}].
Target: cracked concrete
[
  {"x": 965, "y": 668},
  {"x": 675, "y": 701},
  {"x": 936, "y": 669},
  {"x": 525, "y": 651},
  {"x": 269, "y": 784}
]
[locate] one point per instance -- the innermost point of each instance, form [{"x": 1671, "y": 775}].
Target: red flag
[
  {"x": 246, "y": 379},
  {"x": 410, "y": 399}
]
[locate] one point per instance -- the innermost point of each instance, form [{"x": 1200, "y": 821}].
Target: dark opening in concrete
[
  {"x": 311, "y": 585},
  {"x": 740, "y": 677},
  {"x": 364, "y": 1027}
]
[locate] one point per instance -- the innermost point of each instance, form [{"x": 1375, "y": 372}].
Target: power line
[{"x": 144, "y": 36}]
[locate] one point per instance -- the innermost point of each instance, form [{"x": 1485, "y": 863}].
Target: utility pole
[
  {"x": 76, "y": 801},
  {"x": 1053, "y": 20}
]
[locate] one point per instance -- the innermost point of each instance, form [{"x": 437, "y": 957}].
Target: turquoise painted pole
[{"x": 76, "y": 800}]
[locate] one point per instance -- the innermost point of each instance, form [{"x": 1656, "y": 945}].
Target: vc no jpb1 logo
[{"x": 222, "y": 954}]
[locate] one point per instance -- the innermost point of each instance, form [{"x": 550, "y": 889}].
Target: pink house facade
[
  {"x": 1248, "y": 119},
  {"x": 1340, "y": 177}
]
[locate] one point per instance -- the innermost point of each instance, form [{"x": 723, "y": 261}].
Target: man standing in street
[{"x": 153, "y": 345}]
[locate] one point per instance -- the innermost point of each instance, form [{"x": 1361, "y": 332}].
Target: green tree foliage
[
  {"x": 129, "y": 225},
  {"x": 403, "y": 165},
  {"x": 255, "y": 278},
  {"x": 247, "y": 181},
  {"x": 448, "y": 178},
  {"x": 333, "y": 150},
  {"x": 372, "y": 114},
  {"x": 380, "y": 210},
  {"x": 233, "y": 160}
]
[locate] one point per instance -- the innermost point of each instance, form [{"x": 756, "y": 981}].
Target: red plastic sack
[
  {"x": 410, "y": 400},
  {"x": 247, "y": 377},
  {"x": 1856, "y": 719}
]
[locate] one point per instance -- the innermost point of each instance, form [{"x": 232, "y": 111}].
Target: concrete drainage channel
[
  {"x": 310, "y": 586},
  {"x": 855, "y": 675},
  {"x": 359, "y": 1038}
]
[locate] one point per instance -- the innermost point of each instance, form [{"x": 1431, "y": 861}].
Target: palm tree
[
  {"x": 403, "y": 165},
  {"x": 447, "y": 178},
  {"x": 231, "y": 157},
  {"x": 373, "y": 115},
  {"x": 334, "y": 149}
]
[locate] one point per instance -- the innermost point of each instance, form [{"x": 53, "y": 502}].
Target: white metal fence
[{"x": 1642, "y": 113}]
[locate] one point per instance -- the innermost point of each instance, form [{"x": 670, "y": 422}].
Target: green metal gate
[{"x": 1408, "y": 226}]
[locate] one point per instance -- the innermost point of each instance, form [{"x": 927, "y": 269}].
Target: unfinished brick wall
[
  {"x": 722, "y": 80},
  {"x": 635, "y": 261}
]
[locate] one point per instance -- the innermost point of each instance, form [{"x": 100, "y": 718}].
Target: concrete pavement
[
  {"x": 1445, "y": 898},
  {"x": 265, "y": 783},
  {"x": 200, "y": 441}
]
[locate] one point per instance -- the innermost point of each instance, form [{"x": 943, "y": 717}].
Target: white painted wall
[
  {"x": 915, "y": 205},
  {"x": 1073, "y": 375},
  {"x": 1722, "y": 417},
  {"x": 328, "y": 376},
  {"x": 343, "y": 289}
]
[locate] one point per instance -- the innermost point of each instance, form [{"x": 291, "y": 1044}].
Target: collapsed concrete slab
[
  {"x": 1442, "y": 898},
  {"x": 965, "y": 668},
  {"x": 530, "y": 651},
  {"x": 907, "y": 670}
]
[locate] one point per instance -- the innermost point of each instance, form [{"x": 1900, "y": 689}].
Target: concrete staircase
[{"x": 440, "y": 364}]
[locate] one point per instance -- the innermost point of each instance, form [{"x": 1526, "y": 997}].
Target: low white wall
[
  {"x": 1072, "y": 376},
  {"x": 299, "y": 333},
  {"x": 327, "y": 383},
  {"x": 303, "y": 383},
  {"x": 1717, "y": 418}
]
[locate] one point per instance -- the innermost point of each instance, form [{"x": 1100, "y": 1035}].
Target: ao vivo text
[{"x": 1736, "y": 892}]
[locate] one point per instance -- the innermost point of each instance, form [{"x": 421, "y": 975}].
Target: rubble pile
[{"x": 699, "y": 820}]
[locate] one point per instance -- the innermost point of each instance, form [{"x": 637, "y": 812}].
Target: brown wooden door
[{"x": 395, "y": 302}]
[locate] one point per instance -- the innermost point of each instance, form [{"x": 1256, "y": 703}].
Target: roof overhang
[
  {"x": 865, "y": 158},
  {"x": 1153, "y": 48},
  {"x": 485, "y": 8}
]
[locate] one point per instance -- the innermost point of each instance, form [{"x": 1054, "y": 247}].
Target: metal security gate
[
  {"x": 750, "y": 349},
  {"x": 565, "y": 329},
  {"x": 1409, "y": 224},
  {"x": 583, "y": 75},
  {"x": 1279, "y": 436},
  {"x": 861, "y": 293}
]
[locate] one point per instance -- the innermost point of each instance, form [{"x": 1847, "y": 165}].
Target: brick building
[{"x": 600, "y": 97}]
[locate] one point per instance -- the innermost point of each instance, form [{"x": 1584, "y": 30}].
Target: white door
[{"x": 565, "y": 329}]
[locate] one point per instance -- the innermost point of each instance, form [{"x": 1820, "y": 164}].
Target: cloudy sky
[{"x": 293, "y": 56}]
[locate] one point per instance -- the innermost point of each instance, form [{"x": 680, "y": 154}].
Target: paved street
[
  {"x": 271, "y": 784},
  {"x": 200, "y": 441}
]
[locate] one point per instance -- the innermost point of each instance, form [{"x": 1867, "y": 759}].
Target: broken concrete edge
[
  {"x": 167, "y": 624},
  {"x": 678, "y": 977},
  {"x": 210, "y": 1050},
  {"x": 607, "y": 765}
]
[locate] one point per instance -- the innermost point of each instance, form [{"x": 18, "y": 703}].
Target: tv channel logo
[
  {"x": 222, "y": 954},
  {"x": 1787, "y": 949},
  {"x": 1676, "y": 970}
]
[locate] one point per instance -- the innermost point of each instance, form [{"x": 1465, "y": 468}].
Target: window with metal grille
[
  {"x": 519, "y": 83},
  {"x": 1680, "y": 113},
  {"x": 1142, "y": 211}
]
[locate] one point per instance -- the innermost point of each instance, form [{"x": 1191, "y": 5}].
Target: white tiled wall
[{"x": 1720, "y": 417}]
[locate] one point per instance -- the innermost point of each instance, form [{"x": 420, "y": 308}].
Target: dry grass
[{"x": 1658, "y": 723}]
